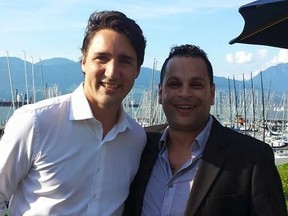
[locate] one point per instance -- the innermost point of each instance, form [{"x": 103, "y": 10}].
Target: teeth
[
  {"x": 185, "y": 107},
  {"x": 108, "y": 85}
]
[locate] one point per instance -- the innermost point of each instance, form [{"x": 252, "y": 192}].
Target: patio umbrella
[{"x": 266, "y": 23}]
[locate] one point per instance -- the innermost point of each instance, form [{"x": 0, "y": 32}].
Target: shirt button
[{"x": 170, "y": 185}]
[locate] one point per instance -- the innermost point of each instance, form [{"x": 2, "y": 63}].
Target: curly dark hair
[{"x": 188, "y": 50}]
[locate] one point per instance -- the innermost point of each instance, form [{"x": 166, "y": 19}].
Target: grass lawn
[{"x": 283, "y": 171}]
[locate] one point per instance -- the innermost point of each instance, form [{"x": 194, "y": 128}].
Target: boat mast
[
  {"x": 230, "y": 103},
  {"x": 33, "y": 82},
  {"x": 244, "y": 104},
  {"x": 152, "y": 105},
  {"x": 26, "y": 79},
  {"x": 42, "y": 80},
  {"x": 253, "y": 107},
  {"x": 263, "y": 107},
  {"x": 10, "y": 80},
  {"x": 236, "y": 103}
]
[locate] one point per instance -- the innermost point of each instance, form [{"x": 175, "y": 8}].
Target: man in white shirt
[{"x": 77, "y": 154}]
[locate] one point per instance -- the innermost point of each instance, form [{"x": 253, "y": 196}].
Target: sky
[{"x": 48, "y": 29}]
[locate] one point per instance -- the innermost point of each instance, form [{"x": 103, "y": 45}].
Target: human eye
[
  {"x": 101, "y": 58},
  {"x": 197, "y": 85},
  {"x": 173, "y": 84},
  {"x": 126, "y": 61}
]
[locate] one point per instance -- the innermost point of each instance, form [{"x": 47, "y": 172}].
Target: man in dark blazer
[{"x": 233, "y": 174}]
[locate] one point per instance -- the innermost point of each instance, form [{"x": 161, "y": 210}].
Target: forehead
[
  {"x": 110, "y": 39},
  {"x": 186, "y": 67}
]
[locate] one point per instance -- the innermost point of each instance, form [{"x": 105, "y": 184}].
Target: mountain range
[{"x": 67, "y": 75}]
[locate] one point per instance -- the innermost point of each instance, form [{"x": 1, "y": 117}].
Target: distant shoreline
[{"x": 10, "y": 104}]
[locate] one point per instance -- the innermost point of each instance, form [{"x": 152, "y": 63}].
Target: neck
[
  {"x": 179, "y": 150},
  {"x": 182, "y": 139},
  {"x": 107, "y": 117}
]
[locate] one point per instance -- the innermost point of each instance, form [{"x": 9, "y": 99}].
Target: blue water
[{"x": 5, "y": 113}]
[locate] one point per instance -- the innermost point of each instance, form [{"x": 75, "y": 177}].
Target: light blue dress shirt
[{"x": 167, "y": 194}]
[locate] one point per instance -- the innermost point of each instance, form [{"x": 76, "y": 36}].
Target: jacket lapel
[
  {"x": 209, "y": 166},
  {"x": 148, "y": 159},
  {"x": 134, "y": 202}
]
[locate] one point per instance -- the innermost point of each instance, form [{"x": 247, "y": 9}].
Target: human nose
[
  {"x": 112, "y": 70},
  {"x": 185, "y": 91}
]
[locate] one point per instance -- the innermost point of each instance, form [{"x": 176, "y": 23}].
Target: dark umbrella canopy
[{"x": 266, "y": 23}]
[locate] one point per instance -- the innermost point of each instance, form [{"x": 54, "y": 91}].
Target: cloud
[
  {"x": 230, "y": 58},
  {"x": 262, "y": 53},
  {"x": 239, "y": 57},
  {"x": 264, "y": 61},
  {"x": 282, "y": 57}
]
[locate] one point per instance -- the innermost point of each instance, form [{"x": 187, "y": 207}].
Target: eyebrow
[
  {"x": 121, "y": 56},
  {"x": 193, "y": 78}
]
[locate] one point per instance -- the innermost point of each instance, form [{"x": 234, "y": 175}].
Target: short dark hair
[
  {"x": 188, "y": 50},
  {"x": 118, "y": 22}
]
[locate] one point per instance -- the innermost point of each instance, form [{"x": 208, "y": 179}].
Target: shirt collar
[
  {"x": 123, "y": 121},
  {"x": 80, "y": 109},
  {"x": 201, "y": 138}
]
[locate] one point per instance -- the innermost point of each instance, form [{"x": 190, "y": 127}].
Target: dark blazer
[{"x": 236, "y": 176}]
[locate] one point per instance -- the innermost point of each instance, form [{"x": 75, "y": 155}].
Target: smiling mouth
[
  {"x": 185, "y": 107},
  {"x": 109, "y": 85}
]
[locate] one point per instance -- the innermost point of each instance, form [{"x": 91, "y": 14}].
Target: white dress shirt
[{"x": 54, "y": 160}]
